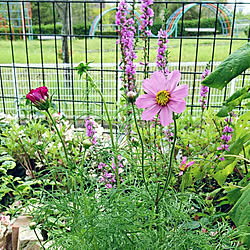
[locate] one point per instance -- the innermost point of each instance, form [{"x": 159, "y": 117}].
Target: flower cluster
[
  {"x": 161, "y": 60},
  {"x": 126, "y": 32},
  {"x": 169, "y": 135},
  {"x": 184, "y": 165},
  {"x": 4, "y": 219},
  {"x": 39, "y": 97},
  {"x": 204, "y": 89},
  {"x": 107, "y": 177},
  {"x": 226, "y": 137},
  {"x": 163, "y": 97},
  {"x": 93, "y": 130},
  {"x": 146, "y": 17}
]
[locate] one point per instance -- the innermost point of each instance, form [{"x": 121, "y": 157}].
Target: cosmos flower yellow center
[{"x": 162, "y": 97}]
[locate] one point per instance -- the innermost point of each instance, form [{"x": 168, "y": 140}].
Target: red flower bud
[{"x": 39, "y": 97}]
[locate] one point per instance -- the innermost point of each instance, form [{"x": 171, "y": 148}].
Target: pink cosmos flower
[
  {"x": 163, "y": 96},
  {"x": 184, "y": 165},
  {"x": 39, "y": 97}
]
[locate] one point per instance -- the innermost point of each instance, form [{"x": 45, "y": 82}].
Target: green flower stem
[
  {"x": 202, "y": 111},
  {"x": 142, "y": 153},
  {"x": 110, "y": 126},
  {"x": 64, "y": 147},
  {"x": 170, "y": 168},
  {"x": 39, "y": 239}
]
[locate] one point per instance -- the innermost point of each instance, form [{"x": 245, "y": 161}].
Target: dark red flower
[{"x": 39, "y": 97}]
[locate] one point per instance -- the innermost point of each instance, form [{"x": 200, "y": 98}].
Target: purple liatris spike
[
  {"x": 146, "y": 17},
  {"x": 126, "y": 33},
  {"x": 204, "y": 89},
  {"x": 161, "y": 61}
]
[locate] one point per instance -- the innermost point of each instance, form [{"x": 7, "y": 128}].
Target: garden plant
[{"x": 150, "y": 176}]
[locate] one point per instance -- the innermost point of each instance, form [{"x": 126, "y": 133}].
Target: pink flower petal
[
  {"x": 159, "y": 81},
  {"x": 184, "y": 159},
  {"x": 173, "y": 78},
  {"x": 149, "y": 113},
  {"x": 177, "y": 105},
  {"x": 180, "y": 92},
  {"x": 190, "y": 164},
  {"x": 181, "y": 173},
  {"x": 149, "y": 87},
  {"x": 145, "y": 101},
  {"x": 165, "y": 116}
]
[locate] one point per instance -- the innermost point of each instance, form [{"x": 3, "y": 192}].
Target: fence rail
[{"x": 74, "y": 97}]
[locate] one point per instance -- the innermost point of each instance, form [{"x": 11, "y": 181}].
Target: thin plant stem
[
  {"x": 202, "y": 111},
  {"x": 110, "y": 126},
  {"x": 59, "y": 134},
  {"x": 39, "y": 239},
  {"x": 245, "y": 160},
  {"x": 155, "y": 135},
  {"x": 170, "y": 168},
  {"x": 142, "y": 153}
]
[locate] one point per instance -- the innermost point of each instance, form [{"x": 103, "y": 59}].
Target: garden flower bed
[{"x": 155, "y": 177}]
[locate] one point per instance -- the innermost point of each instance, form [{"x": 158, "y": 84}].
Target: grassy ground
[{"x": 108, "y": 46}]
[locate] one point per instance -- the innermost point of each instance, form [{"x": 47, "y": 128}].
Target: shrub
[{"x": 80, "y": 29}]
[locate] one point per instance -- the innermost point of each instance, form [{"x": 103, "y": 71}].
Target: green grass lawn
[{"x": 188, "y": 52}]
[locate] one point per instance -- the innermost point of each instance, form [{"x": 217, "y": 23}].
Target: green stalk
[
  {"x": 64, "y": 147},
  {"x": 170, "y": 168},
  {"x": 142, "y": 153},
  {"x": 110, "y": 126}
]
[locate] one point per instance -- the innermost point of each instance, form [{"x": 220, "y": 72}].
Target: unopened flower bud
[
  {"x": 40, "y": 98},
  {"x": 131, "y": 96},
  {"x": 87, "y": 143},
  {"x": 32, "y": 225}
]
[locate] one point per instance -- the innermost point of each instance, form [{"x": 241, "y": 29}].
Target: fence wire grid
[{"x": 27, "y": 64}]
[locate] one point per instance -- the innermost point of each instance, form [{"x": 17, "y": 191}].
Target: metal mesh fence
[{"x": 28, "y": 64}]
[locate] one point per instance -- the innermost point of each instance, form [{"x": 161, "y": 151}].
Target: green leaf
[
  {"x": 246, "y": 106},
  {"x": 187, "y": 180},
  {"x": 233, "y": 195},
  {"x": 240, "y": 214},
  {"x": 234, "y": 101},
  {"x": 237, "y": 94},
  {"x": 6, "y": 166},
  {"x": 6, "y": 158},
  {"x": 222, "y": 175},
  {"x": 82, "y": 68},
  {"x": 233, "y": 66},
  {"x": 191, "y": 225}
]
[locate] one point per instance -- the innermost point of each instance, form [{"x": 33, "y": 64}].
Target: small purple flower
[
  {"x": 90, "y": 132},
  {"x": 223, "y": 147},
  {"x": 169, "y": 135},
  {"x": 108, "y": 174},
  {"x": 222, "y": 158},
  {"x": 205, "y": 74},
  {"x": 226, "y": 138},
  {"x": 204, "y": 89},
  {"x": 229, "y": 120},
  {"x": 108, "y": 185},
  {"x": 227, "y": 129}
]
